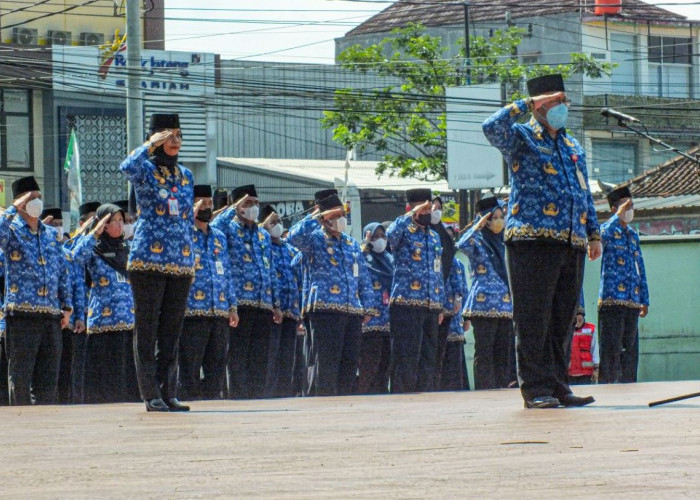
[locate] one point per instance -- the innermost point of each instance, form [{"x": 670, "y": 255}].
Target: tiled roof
[
  {"x": 677, "y": 177},
  {"x": 449, "y": 12}
]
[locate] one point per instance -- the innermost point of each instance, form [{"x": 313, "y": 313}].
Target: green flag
[{"x": 72, "y": 169}]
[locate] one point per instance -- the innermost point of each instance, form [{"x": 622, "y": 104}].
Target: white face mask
[
  {"x": 128, "y": 231},
  {"x": 34, "y": 207},
  {"x": 340, "y": 224},
  {"x": 628, "y": 216},
  {"x": 276, "y": 230},
  {"x": 251, "y": 213},
  {"x": 436, "y": 216},
  {"x": 379, "y": 245}
]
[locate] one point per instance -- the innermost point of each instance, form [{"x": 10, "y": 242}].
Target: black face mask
[
  {"x": 423, "y": 219},
  {"x": 204, "y": 215}
]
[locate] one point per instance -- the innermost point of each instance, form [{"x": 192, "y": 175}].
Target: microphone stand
[{"x": 667, "y": 147}]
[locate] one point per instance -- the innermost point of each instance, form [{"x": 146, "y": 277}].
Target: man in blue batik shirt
[
  {"x": 417, "y": 295},
  {"x": 624, "y": 295},
  {"x": 551, "y": 222},
  {"x": 38, "y": 303}
]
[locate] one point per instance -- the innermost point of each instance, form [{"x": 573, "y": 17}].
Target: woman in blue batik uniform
[
  {"x": 488, "y": 306},
  {"x": 375, "y": 353},
  {"x": 161, "y": 262},
  {"x": 110, "y": 314}
]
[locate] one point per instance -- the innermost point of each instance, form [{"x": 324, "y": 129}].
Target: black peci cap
[
  {"x": 418, "y": 195},
  {"x": 123, "y": 204},
  {"x": 87, "y": 207},
  {"x": 546, "y": 84},
  {"x": 241, "y": 191},
  {"x": 329, "y": 203},
  {"x": 54, "y": 212},
  {"x": 324, "y": 193},
  {"x": 24, "y": 185},
  {"x": 487, "y": 204},
  {"x": 161, "y": 121},
  {"x": 202, "y": 191},
  {"x": 266, "y": 211},
  {"x": 617, "y": 194}
]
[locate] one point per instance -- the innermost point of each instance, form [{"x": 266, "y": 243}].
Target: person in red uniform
[{"x": 585, "y": 358}]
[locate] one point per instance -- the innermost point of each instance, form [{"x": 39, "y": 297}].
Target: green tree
[{"x": 406, "y": 119}]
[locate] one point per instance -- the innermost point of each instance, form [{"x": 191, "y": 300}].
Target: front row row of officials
[{"x": 212, "y": 303}]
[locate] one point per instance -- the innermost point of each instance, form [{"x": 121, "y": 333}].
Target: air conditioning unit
[
  {"x": 25, "y": 36},
  {"x": 58, "y": 37},
  {"x": 92, "y": 39}
]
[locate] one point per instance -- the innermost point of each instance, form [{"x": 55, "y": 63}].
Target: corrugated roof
[
  {"x": 448, "y": 12},
  {"x": 361, "y": 173},
  {"x": 676, "y": 178}
]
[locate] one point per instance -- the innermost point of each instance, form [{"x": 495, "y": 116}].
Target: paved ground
[{"x": 440, "y": 445}]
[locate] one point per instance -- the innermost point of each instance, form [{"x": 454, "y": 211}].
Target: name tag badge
[
  {"x": 636, "y": 265},
  {"x": 581, "y": 179},
  {"x": 355, "y": 270},
  {"x": 121, "y": 278},
  {"x": 219, "y": 267},
  {"x": 545, "y": 150},
  {"x": 437, "y": 265},
  {"x": 173, "y": 206}
]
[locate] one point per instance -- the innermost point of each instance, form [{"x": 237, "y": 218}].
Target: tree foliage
[{"x": 406, "y": 119}]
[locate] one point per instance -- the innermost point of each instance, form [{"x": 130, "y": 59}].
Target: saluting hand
[
  {"x": 100, "y": 227},
  {"x": 196, "y": 207},
  {"x": 623, "y": 208},
  {"x": 21, "y": 202},
  {"x": 159, "y": 138},
  {"x": 426, "y": 206},
  {"x": 482, "y": 221},
  {"x": 47, "y": 220},
  {"x": 241, "y": 201}
]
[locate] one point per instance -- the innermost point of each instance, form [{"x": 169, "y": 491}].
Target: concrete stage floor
[{"x": 439, "y": 445}]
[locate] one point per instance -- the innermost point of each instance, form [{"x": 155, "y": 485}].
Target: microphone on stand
[{"x": 611, "y": 113}]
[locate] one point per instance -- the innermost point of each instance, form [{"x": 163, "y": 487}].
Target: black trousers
[
  {"x": 247, "y": 353},
  {"x": 203, "y": 350},
  {"x": 4, "y": 391},
  {"x": 281, "y": 358},
  {"x": 414, "y": 332},
  {"x": 131, "y": 383},
  {"x": 619, "y": 344},
  {"x": 453, "y": 372},
  {"x": 64, "y": 371},
  {"x": 159, "y": 302},
  {"x": 375, "y": 358},
  {"x": 33, "y": 358},
  {"x": 545, "y": 282},
  {"x": 334, "y": 353},
  {"x": 77, "y": 367},
  {"x": 493, "y": 344},
  {"x": 104, "y": 368},
  {"x": 443, "y": 332}
]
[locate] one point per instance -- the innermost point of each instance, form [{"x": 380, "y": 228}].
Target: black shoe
[
  {"x": 542, "y": 402},
  {"x": 175, "y": 405},
  {"x": 571, "y": 400},
  {"x": 156, "y": 404}
]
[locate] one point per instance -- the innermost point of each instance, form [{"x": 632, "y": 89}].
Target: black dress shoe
[
  {"x": 156, "y": 404},
  {"x": 542, "y": 402},
  {"x": 175, "y": 405},
  {"x": 571, "y": 400}
]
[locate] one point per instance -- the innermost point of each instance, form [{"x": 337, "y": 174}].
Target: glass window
[
  {"x": 655, "y": 49},
  {"x": 614, "y": 161},
  {"x": 15, "y": 130}
]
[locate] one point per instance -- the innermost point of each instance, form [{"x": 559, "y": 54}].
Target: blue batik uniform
[
  {"x": 251, "y": 261},
  {"x": 299, "y": 269},
  {"x": 78, "y": 289},
  {"x": 213, "y": 292},
  {"x": 549, "y": 198},
  {"x": 417, "y": 251},
  {"x": 282, "y": 255},
  {"x": 37, "y": 278},
  {"x": 110, "y": 301},
  {"x": 338, "y": 277},
  {"x": 489, "y": 295},
  {"x": 163, "y": 236},
  {"x": 380, "y": 293},
  {"x": 623, "y": 280},
  {"x": 455, "y": 287},
  {"x": 2, "y": 295}
]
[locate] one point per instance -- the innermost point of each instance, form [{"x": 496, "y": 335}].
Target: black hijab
[
  {"x": 494, "y": 242},
  {"x": 114, "y": 251},
  {"x": 162, "y": 159},
  {"x": 380, "y": 265},
  {"x": 448, "y": 248}
]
